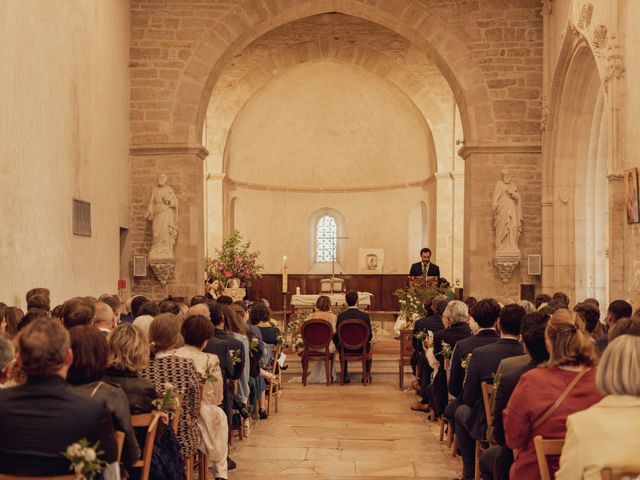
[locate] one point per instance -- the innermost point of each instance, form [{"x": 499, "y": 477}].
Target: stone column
[
  {"x": 444, "y": 225},
  {"x": 547, "y": 247},
  {"x": 617, "y": 224},
  {"x": 183, "y": 165},
  {"x": 483, "y": 164}
]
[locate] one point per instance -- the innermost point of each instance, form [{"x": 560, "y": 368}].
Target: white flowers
[{"x": 84, "y": 459}]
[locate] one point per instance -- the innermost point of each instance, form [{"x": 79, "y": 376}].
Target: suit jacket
[
  {"x": 605, "y": 434},
  {"x": 42, "y": 418},
  {"x": 438, "y": 394},
  {"x": 433, "y": 323},
  {"x": 350, "y": 313},
  {"x": 416, "y": 270},
  {"x": 463, "y": 348},
  {"x": 220, "y": 348}
]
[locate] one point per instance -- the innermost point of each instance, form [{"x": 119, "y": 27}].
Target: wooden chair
[
  {"x": 546, "y": 447},
  {"x": 149, "y": 420},
  {"x": 406, "y": 352},
  {"x": 353, "y": 334},
  {"x": 487, "y": 393},
  {"x": 316, "y": 335},
  {"x": 624, "y": 473},
  {"x": 120, "y": 443},
  {"x": 274, "y": 385},
  {"x": 236, "y": 420}
]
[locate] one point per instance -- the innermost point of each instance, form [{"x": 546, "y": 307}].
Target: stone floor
[{"x": 341, "y": 432}]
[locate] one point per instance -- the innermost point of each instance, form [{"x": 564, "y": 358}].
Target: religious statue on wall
[
  {"x": 162, "y": 212},
  {"x": 506, "y": 207},
  {"x": 507, "y": 214}
]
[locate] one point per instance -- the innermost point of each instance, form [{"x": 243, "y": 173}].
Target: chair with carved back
[
  {"x": 546, "y": 447},
  {"x": 353, "y": 335},
  {"x": 487, "y": 394},
  {"x": 273, "y": 386},
  {"x": 150, "y": 422},
  {"x": 622, "y": 473},
  {"x": 406, "y": 352},
  {"x": 316, "y": 335}
]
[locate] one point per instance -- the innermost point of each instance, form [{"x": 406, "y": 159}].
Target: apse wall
[
  {"x": 64, "y": 132},
  {"x": 329, "y": 135}
]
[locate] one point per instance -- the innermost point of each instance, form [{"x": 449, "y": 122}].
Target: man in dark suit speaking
[{"x": 425, "y": 268}]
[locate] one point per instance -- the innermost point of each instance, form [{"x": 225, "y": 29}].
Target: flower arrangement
[
  {"x": 293, "y": 330},
  {"x": 281, "y": 341},
  {"x": 466, "y": 361},
  {"x": 170, "y": 400},
  {"x": 254, "y": 345},
  {"x": 235, "y": 356},
  {"x": 446, "y": 351},
  {"x": 209, "y": 374},
  {"x": 233, "y": 260},
  {"x": 84, "y": 458},
  {"x": 413, "y": 298},
  {"x": 420, "y": 336}
]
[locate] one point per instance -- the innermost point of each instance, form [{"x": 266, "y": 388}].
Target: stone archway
[{"x": 575, "y": 182}]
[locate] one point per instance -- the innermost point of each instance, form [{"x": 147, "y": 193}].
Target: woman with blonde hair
[
  {"x": 606, "y": 434},
  {"x": 546, "y": 395},
  {"x": 323, "y": 312}
]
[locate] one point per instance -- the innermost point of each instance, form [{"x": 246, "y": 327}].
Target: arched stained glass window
[{"x": 326, "y": 239}]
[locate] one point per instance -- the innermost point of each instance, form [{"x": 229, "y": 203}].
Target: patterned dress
[{"x": 166, "y": 367}]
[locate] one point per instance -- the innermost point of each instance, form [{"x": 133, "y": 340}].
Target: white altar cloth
[{"x": 309, "y": 301}]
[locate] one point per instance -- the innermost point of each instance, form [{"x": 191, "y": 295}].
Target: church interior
[{"x": 333, "y": 140}]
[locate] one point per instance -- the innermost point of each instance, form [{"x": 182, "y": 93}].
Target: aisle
[{"x": 339, "y": 432}]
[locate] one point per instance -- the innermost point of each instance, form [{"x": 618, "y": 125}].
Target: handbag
[{"x": 560, "y": 399}]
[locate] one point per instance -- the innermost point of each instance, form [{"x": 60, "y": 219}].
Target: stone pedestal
[{"x": 162, "y": 268}]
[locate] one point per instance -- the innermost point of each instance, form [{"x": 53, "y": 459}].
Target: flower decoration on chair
[
  {"x": 293, "y": 330},
  {"x": 170, "y": 400},
  {"x": 234, "y": 260},
  {"x": 85, "y": 459}
]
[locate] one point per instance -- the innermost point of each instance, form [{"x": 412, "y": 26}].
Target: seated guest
[
  {"x": 39, "y": 301},
  {"x": 420, "y": 364},
  {"x": 322, "y": 311},
  {"x": 471, "y": 423},
  {"x": 90, "y": 355},
  {"x": 104, "y": 318},
  {"x": 7, "y": 356},
  {"x": 456, "y": 320},
  {"x": 236, "y": 330},
  {"x": 541, "y": 300},
  {"x": 606, "y": 434},
  {"x": 116, "y": 305},
  {"x": 166, "y": 367},
  {"x": 527, "y": 305},
  {"x": 136, "y": 304},
  {"x": 617, "y": 309},
  {"x": 590, "y": 315},
  {"x": 43, "y": 417},
  {"x": 128, "y": 356},
  {"x": 568, "y": 375},
  {"x": 485, "y": 313},
  {"x": 77, "y": 311},
  {"x": 212, "y": 423},
  {"x": 352, "y": 312},
  {"x": 625, "y": 326},
  {"x": 12, "y": 317},
  {"x": 259, "y": 316},
  {"x": 562, "y": 298},
  {"x": 496, "y": 461}
]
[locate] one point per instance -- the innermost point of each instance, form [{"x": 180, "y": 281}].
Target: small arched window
[{"x": 326, "y": 239}]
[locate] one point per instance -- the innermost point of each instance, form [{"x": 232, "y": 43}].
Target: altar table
[{"x": 337, "y": 299}]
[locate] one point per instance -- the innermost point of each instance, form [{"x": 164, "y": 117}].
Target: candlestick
[{"x": 285, "y": 280}]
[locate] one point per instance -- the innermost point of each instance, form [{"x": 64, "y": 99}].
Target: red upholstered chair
[
  {"x": 353, "y": 335},
  {"x": 316, "y": 335}
]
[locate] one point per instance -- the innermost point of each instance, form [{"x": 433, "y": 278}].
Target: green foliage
[{"x": 234, "y": 260}]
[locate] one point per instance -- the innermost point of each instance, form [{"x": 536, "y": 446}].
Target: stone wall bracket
[
  {"x": 505, "y": 266},
  {"x": 162, "y": 268}
]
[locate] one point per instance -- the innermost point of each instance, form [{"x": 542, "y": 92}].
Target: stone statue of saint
[
  {"x": 507, "y": 215},
  {"x": 163, "y": 213}
]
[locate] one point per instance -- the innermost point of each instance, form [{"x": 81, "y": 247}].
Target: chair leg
[
  {"x": 327, "y": 371},
  {"x": 305, "y": 367},
  {"x": 401, "y": 375},
  {"x": 203, "y": 466},
  {"x": 477, "y": 460},
  {"x": 342, "y": 363},
  {"x": 275, "y": 396},
  {"x": 188, "y": 467},
  {"x": 365, "y": 374},
  {"x": 454, "y": 445}
]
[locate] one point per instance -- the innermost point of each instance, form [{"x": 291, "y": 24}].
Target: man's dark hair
[
  {"x": 589, "y": 313},
  {"x": 511, "y": 319},
  {"x": 77, "y": 311},
  {"x": 136, "y": 304},
  {"x": 43, "y": 346},
  {"x": 196, "y": 330},
  {"x": 618, "y": 309},
  {"x": 113, "y": 301},
  {"x": 169, "y": 306},
  {"x": 439, "y": 304},
  {"x": 197, "y": 299},
  {"x": 149, "y": 308},
  {"x": 40, "y": 301},
  {"x": 425, "y": 250},
  {"x": 470, "y": 302},
  {"x": 351, "y": 298},
  {"x": 90, "y": 355},
  {"x": 37, "y": 291},
  {"x": 29, "y": 317},
  {"x": 486, "y": 312},
  {"x": 553, "y": 306},
  {"x": 259, "y": 313},
  {"x": 224, "y": 300},
  {"x": 625, "y": 326},
  {"x": 540, "y": 299},
  {"x": 532, "y": 331},
  {"x": 215, "y": 312},
  {"x": 561, "y": 297}
]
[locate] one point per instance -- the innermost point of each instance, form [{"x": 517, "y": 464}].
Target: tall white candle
[{"x": 285, "y": 282}]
